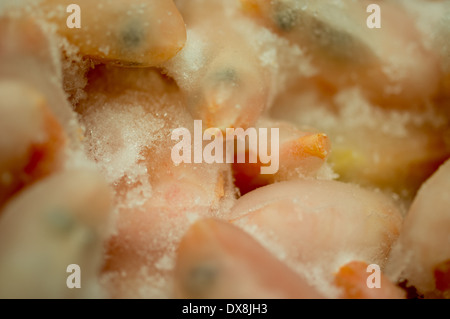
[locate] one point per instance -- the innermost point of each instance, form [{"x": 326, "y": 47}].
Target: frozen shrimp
[
  {"x": 224, "y": 83},
  {"x": 26, "y": 54},
  {"x": 33, "y": 140},
  {"x": 129, "y": 33},
  {"x": 352, "y": 279},
  {"x": 301, "y": 155},
  {"x": 218, "y": 260},
  {"x": 347, "y": 53},
  {"x": 422, "y": 253},
  {"x": 129, "y": 116},
  {"x": 320, "y": 224},
  {"x": 59, "y": 221}
]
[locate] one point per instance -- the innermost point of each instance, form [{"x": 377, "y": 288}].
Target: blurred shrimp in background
[{"x": 86, "y": 169}]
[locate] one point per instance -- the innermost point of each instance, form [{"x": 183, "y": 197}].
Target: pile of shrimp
[{"x": 87, "y": 178}]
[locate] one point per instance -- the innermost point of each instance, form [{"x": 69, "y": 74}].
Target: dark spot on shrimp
[
  {"x": 226, "y": 75},
  {"x": 334, "y": 44},
  {"x": 201, "y": 279},
  {"x": 132, "y": 36},
  {"x": 285, "y": 16},
  {"x": 60, "y": 221}
]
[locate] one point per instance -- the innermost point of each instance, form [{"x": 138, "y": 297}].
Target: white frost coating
[
  {"x": 277, "y": 56},
  {"x": 355, "y": 111},
  {"x": 121, "y": 134},
  {"x": 7, "y": 4},
  {"x": 165, "y": 263},
  {"x": 185, "y": 65},
  {"x": 430, "y": 17}
]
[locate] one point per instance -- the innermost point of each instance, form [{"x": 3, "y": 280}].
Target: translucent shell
[
  {"x": 348, "y": 53},
  {"x": 218, "y": 260},
  {"x": 137, "y": 33},
  {"x": 320, "y": 225},
  {"x": 33, "y": 140},
  {"x": 422, "y": 253},
  {"x": 59, "y": 221}
]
